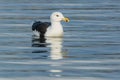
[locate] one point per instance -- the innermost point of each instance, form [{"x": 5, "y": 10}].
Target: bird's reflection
[
  {"x": 56, "y": 52},
  {"x": 56, "y": 48},
  {"x": 55, "y": 45},
  {"x": 38, "y": 42}
]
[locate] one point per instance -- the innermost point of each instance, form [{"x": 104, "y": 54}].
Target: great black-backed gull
[{"x": 51, "y": 29}]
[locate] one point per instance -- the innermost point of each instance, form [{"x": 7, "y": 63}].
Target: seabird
[{"x": 50, "y": 29}]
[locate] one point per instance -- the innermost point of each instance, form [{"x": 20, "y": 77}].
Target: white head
[{"x": 58, "y": 16}]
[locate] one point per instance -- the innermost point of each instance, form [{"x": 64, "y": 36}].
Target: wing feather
[{"x": 40, "y": 27}]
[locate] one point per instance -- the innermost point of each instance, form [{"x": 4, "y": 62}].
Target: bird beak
[{"x": 66, "y": 19}]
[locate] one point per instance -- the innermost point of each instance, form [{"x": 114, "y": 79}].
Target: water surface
[{"x": 89, "y": 50}]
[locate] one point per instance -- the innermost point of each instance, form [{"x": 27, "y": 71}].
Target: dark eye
[{"x": 57, "y": 15}]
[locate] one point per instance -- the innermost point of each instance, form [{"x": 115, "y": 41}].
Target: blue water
[{"x": 89, "y": 50}]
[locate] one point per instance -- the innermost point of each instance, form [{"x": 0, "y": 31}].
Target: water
[{"x": 89, "y": 50}]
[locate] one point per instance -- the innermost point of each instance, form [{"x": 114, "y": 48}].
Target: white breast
[{"x": 55, "y": 30}]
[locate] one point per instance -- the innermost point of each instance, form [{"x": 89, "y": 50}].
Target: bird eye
[{"x": 57, "y": 15}]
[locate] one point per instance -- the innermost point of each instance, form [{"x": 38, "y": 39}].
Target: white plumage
[{"x": 53, "y": 29}]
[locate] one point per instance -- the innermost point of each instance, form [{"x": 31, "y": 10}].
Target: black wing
[{"x": 41, "y": 27}]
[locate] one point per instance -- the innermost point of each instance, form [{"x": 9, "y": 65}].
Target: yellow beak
[{"x": 66, "y": 19}]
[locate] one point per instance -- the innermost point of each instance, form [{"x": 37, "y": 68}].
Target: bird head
[{"x": 58, "y": 16}]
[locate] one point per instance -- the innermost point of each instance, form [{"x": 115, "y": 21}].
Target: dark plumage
[{"x": 41, "y": 27}]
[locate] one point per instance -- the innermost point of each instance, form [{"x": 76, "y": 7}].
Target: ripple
[{"x": 89, "y": 49}]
